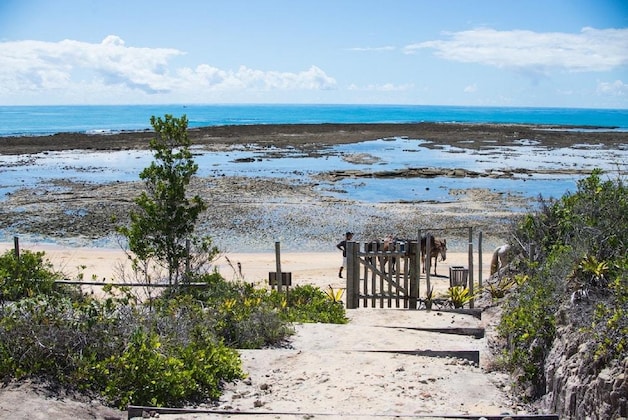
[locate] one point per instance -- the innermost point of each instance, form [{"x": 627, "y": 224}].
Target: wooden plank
[
  {"x": 102, "y": 283},
  {"x": 471, "y": 355},
  {"x": 138, "y": 411},
  {"x": 475, "y": 332}
]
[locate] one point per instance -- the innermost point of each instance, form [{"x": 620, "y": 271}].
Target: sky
[{"x": 506, "y": 53}]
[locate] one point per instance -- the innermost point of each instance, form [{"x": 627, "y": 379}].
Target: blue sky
[{"x": 555, "y": 53}]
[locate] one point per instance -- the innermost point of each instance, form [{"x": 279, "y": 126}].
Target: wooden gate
[{"x": 383, "y": 278}]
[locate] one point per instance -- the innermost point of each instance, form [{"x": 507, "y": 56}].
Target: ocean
[{"x": 45, "y": 120}]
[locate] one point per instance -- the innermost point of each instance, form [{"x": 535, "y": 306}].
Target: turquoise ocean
[{"x": 45, "y": 120}]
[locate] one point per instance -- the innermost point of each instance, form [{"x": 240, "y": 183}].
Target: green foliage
[
  {"x": 335, "y": 295},
  {"x": 246, "y": 317},
  {"x": 166, "y": 216},
  {"x": 579, "y": 241},
  {"x": 307, "y": 303},
  {"x": 528, "y": 325},
  {"x": 169, "y": 352},
  {"x": 500, "y": 288},
  {"x": 148, "y": 372},
  {"x": 590, "y": 272},
  {"x": 610, "y": 322},
  {"x": 52, "y": 335},
  {"x": 459, "y": 296},
  {"x": 26, "y": 276}
]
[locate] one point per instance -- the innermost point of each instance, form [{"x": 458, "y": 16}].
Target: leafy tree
[{"x": 160, "y": 230}]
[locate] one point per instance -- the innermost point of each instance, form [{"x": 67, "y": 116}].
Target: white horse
[{"x": 501, "y": 258}]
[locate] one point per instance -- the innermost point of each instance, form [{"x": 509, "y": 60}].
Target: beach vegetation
[
  {"x": 500, "y": 288},
  {"x": 25, "y": 275},
  {"x": 177, "y": 349},
  {"x": 580, "y": 243},
  {"x": 335, "y": 295},
  {"x": 308, "y": 303},
  {"x": 459, "y": 296}
]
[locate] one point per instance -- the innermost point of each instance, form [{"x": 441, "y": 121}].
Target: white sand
[{"x": 348, "y": 371}]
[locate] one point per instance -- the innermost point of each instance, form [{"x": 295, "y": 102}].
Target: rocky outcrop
[{"x": 578, "y": 386}]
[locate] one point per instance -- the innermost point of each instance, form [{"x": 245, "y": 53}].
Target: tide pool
[{"x": 370, "y": 157}]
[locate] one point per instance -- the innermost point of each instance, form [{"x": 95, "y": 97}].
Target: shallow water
[{"x": 378, "y": 155}]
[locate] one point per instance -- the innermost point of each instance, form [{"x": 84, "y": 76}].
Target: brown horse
[
  {"x": 387, "y": 244},
  {"x": 438, "y": 247}
]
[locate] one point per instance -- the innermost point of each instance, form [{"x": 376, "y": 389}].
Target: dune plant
[
  {"x": 307, "y": 303},
  {"x": 28, "y": 275},
  {"x": 335, "y": 295},
  {"x": 499, "y": 289},
  {"x": 459, "y": 296},
  {"x": 429, "y": 298}
]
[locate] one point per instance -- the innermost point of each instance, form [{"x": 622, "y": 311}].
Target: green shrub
[
  {"x": 148, "y": 372},
  {"x": 26, "y": 276},
  {"x": 459, "y": 296},
  {"x": 610, "y": 321},
  {"x": 169, "y": 351},
  {"x": 51, "y": 336}
]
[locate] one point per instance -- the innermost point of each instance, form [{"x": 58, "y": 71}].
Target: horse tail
[{"x": 495, "y": 262}]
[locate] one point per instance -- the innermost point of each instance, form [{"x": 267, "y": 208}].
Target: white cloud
[
  {"x": 616, "y": 88},
  {"x": 69, "y": 66},
  {"x": 589, "y": 50},
  {"x": 375, "y": 49},
  {"x": 386, "y": 87},
  {"x": 471, "y": 88},
  {"x": 37, "y": 65}
]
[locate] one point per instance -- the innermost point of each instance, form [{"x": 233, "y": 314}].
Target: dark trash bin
[{"x": 458, "y": 276}]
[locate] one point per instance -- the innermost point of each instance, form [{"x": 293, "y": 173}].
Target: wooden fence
[{"x": 378, "y": 277}]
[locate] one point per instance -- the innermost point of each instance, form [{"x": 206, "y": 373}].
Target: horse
[
  {"x": 438, "y": 247},
  {"x": 501, "y": 258},
  {"x": 386, "y": 245}
]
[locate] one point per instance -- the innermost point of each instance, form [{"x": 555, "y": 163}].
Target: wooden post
[
  {"x": 480, "y": 259},
  {"x": 352, "y": 285},
  {"x": 418, "y": 265},
  {"x": 16, "y": 247},
  {"x": 472, "y": 301},
  {"x": 415, "y": 273},
  {"x": 278, "y": 266},
  {"x": 428, "y": 262}
]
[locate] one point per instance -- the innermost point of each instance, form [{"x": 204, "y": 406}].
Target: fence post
[
  {"x": 278, "y": 266},
  {"x": 480, "y": 259},
  {"x": 352, "y": 285},
  {"x": 16, "y": 247},
  {"x": 415, "y": 273},
  {"x": 428, "y": 261},
  {"x": 472, "y": 301}
]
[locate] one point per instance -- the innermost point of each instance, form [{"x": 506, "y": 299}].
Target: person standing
[{"x": 342, "y": 245}]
